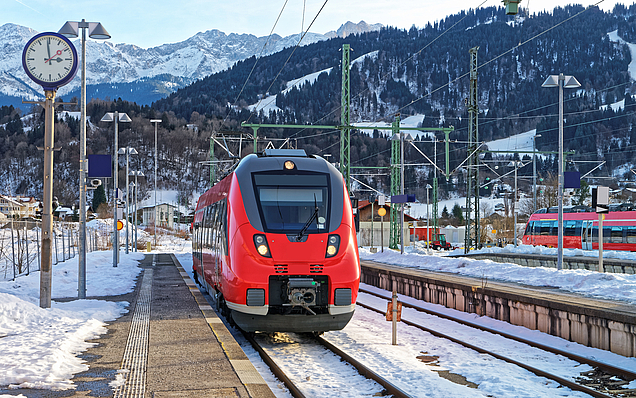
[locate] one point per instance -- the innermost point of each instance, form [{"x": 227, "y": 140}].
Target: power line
[
  {"x": 256, "y": 62},
  {"x": 288, "y": 58}
]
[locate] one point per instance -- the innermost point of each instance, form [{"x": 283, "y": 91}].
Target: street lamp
[
  {"x": 561, "y": 81},
  {"x": 115, "y": 117},
  {"x": 516, "y": 164},
  {"x": 155, "y": 121},
  {"x": 534, "y": 172},
  {"x": 95, "y": 31},
  {"x": 137, "y": 173},
  {"x": 128, "y": 151},
  {"x": 402, "y": 137}
]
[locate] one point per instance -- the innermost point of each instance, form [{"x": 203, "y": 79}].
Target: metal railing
[{"x": 20, "y": 245}]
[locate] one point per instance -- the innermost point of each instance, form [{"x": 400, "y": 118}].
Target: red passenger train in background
[
  {"x": 580, "y": 228},
  {"x": 275, "y": 243}
]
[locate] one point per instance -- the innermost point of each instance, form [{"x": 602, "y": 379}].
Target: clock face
[{"x": 50, "y": 60}]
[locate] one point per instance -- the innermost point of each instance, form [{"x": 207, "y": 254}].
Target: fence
[{"x": 20, "y": 245}]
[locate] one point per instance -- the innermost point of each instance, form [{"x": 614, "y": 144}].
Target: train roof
[{"x": 587, "y": 209}]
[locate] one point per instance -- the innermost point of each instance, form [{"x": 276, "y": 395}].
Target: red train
[
  {"x": 275, "y": 243},
  {"x": 580, "y": 229}
]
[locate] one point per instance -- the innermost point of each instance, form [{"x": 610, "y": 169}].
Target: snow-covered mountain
[
  {"x": 351, "y": 28},
  {"x": 162, "y": 69}
]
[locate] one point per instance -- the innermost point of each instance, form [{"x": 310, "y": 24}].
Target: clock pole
[
  {"x": 47, "y": 209},
  {"x": 50, "y": 72}
]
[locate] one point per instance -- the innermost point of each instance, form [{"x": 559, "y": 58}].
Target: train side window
[
  {"x": 631, "y": 234},
  {"x": 224, "y": 225},
  {"x": 569, "y": 228},
  {"x": 545, "y": 228},
  {"x": 607, "y": 233},
  {"x": 616, "y": 234}
]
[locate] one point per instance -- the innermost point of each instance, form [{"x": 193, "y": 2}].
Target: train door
[{"x": 586, "y": 235}]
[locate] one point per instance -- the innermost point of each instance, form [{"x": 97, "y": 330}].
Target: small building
[
  {"x": 166, "y": 215},
  {"x": 19, "y": 207},
  {"x": 378, "y": 231}
]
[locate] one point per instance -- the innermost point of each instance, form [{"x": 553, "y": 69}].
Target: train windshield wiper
[{"x": 313, "y": 217}]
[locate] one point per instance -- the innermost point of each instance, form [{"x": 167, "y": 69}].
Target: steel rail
[
  {"x": 295, "y": 391},
  {"x": 276, "y": 370},
  {"x": 568, "y": 383},
  {"x": 578, "y": 358},
  {"x": 363, "y": 370}
]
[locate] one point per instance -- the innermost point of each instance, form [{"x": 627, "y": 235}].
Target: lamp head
[
  {"x": 124, "y": 118},
  {"x": 97, "y": 31},
  {"x": 551, "y": 81},
  {"x": 70, "y": 29},
  {"x": 108, "y": 117}
]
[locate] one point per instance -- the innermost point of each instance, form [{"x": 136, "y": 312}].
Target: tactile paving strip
[{"x": 136, "y": 353}]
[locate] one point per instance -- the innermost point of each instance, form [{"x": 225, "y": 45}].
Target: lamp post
[
  {"x": 133, "y": 245},
  {"x": 115, "y": 117},
  {"x": 155, "y": 121},
  {"x": 534, "y": 172},
  {"x": 95, "y": 31},
  {"x": 137, "y": 173},
  {"x": 516, "y": 164},
  {"x": 561, "y": 81},
  {"x": 128, "y": 151},
  {"x": 428, "y": 229}
]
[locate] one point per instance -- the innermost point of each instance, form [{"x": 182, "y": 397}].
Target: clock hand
[
  {"x": 48, "y": 48},
  {"x": 58, "y": 52}
]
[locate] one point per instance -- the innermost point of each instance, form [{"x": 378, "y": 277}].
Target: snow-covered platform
[
  {"x": 604, "y": 324},
  {"x": 613, "y": 265},
  {"x": 170, "y": 344}
]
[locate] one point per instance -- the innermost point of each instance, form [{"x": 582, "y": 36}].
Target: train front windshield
[{"x": 293, "y": 203}]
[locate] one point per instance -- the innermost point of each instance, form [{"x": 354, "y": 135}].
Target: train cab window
[
  {"x": 291, "y": 203},
  {"x": 530, "y": 228}
]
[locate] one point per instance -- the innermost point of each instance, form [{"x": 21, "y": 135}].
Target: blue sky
[{"x": 152, "y": 23}]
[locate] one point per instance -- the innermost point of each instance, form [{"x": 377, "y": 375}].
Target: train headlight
[
  {"x": 260, "y": 241},
  {"x": 333, "y": 244},
  {"x": 289, "y": 165}
]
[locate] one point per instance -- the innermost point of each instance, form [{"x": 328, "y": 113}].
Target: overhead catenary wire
[
  {"x": 288, "y": 58},
  {"x": 256, "y": 61},
  {"x": 389, "y": 73}
]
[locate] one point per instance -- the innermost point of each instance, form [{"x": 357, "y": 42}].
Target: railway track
[
  {"x": 604, "y": 381},
  {"x": 312, "y": 345}
]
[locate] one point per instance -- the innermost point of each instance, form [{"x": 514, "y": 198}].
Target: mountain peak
[{"x": 350, "y": 28}]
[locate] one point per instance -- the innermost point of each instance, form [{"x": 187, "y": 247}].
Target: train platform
[{"x": 170, "y": 344}]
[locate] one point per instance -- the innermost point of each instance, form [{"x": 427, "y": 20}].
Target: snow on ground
[
  {"x": 518, "y": 142},
  {"x": 631, "y": 68},
  {"x": 40, "y": 347}
]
